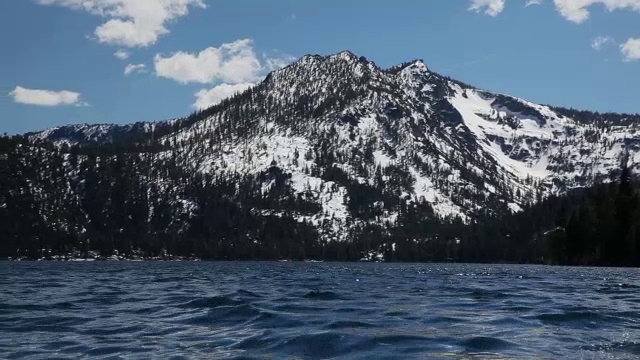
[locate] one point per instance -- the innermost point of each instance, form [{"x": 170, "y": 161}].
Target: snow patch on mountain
[{"x": 404, "y": 132}]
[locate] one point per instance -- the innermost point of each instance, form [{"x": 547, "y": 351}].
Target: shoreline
[{"x": 62, "y": 258}]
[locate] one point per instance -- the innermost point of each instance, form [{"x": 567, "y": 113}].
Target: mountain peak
[
  {"x": 419, "y": 63},
  {"x": 346, "y": 54},
  {"x": 414, "y": 66},
  {"x": 417, "y": 66},
  {"x": 333, "y": 144}
]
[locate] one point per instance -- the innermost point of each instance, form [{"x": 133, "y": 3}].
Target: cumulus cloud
[
  {"x": 40, "y": 97},
  {"x": 278, "y": 62},
  {"x": 131, "y": 23},
  {"x": 232, "y": 67},
  {"x": 600, "y": 41},
  {"x": 572, "y": 10},
  {"x": 131, "y": 68},
  {"x": 122, "y": 54},
  {"x": 490, "y": 7},
  {"x": 209, "y": 97},
  {"x": 233, "y": 63},
  {"x": 631, "y": 49},
  {"x": 578, "y": 10}
]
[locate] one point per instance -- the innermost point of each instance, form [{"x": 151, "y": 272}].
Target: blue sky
[{"x": 59, "y": 65}]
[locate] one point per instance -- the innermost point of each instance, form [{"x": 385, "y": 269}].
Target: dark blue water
[{"x": 316, "y": 311}]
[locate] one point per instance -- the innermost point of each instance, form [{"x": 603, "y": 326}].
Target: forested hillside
[
  {"x": 591, "y": 226},
  {"x": 330, "y": 158}
]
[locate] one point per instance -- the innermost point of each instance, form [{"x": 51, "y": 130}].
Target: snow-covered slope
[{"x": 343, "y": 128}]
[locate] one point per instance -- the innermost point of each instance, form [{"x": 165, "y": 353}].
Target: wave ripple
[{"x": 316, "y": 311}]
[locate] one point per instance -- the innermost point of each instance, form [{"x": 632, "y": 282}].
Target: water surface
[{"x": 316, "y": 311}]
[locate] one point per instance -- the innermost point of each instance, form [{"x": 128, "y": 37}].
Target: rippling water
[{"x": 316, "y": 311}]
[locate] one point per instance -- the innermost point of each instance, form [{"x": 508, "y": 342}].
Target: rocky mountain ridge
[{"x": 354, "y": 146}]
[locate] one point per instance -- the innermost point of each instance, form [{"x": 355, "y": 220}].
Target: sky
[{"x": 121, "y": 61}]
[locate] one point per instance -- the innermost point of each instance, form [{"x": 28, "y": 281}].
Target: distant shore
[
  {"x": 93, "y": 256},
  {"x": 102, "y": 259}
]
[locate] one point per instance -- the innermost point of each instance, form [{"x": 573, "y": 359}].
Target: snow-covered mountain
[{"x": 364, "y": 143}]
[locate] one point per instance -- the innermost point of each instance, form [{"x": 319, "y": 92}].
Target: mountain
[{"x": 333, "y": 149}]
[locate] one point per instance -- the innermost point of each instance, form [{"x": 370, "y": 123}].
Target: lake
[{"x": 281, "y": 310}]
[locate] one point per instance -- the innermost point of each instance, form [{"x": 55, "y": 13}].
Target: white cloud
[
  {"x": 131, "y": 23},
  {"x": 631, "y": 49},
  {"x": 532, "y": 2},
  {"x": 490, "y": 7},
  {"x": 233, "y": 63},
  {"x": 122, "y": 54},
  {"x": 45, "y": 97},
  {"x": 131, "y": 68},
  {"x": 232, "y": 67},
  {"x": 577, "y": 10},
  {"x": 209, "y": 97},
  {"x": 600, "y": 41},
  {"x": 276, "y": 63}
]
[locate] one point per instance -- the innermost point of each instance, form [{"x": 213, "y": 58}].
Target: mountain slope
[{"x": 350, "y": 147}]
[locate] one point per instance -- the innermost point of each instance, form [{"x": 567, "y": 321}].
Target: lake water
[{"x": 316, "y": 311}]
